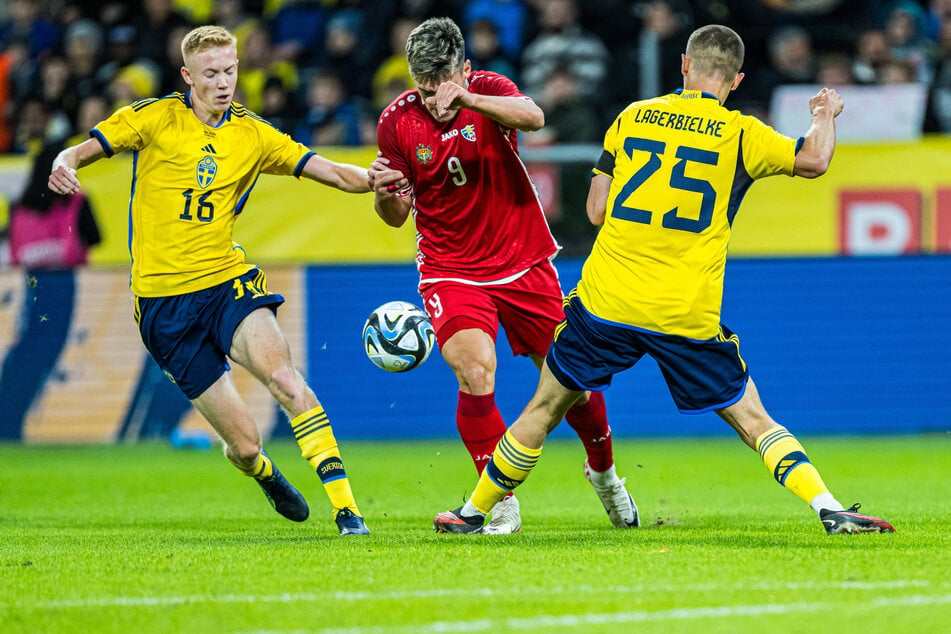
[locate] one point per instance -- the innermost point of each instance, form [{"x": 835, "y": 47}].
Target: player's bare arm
[
  {"x": 815, "y": 155},
  {"x": 392, "y": 207},
  {"x": 343, "y": 176},
  {"x": 63, "y": 175},
  {"x": 597, "y": 202},
  {"x": 512, "y": 112}
]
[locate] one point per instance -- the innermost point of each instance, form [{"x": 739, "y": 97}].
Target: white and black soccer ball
[{"x": 398, "y": 336}]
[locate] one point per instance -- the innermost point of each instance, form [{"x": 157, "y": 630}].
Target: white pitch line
[
  {"x": 314, "y": 597},
  {"x": 616, "y": 618}
]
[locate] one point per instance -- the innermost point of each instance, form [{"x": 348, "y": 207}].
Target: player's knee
[{"x": 476, "y": 376}]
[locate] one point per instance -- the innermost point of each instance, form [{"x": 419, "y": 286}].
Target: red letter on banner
[{"x": 884, "y": 222}]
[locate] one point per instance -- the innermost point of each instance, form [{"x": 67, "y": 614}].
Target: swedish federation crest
[{"x": 205, "y": 172}]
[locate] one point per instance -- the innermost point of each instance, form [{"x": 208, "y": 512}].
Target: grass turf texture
[{"x": 145, "y": 538}]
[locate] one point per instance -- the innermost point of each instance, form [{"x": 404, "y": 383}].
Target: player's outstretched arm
[
  {"x": 62, "y": 178},
  {"x": 815, "y": 155},
  {"x": 597, "y": 202},
  {"x": 520, "y": 113},
  {"x": 343, "y": 176},
  {"x": 512, "y": 112}
]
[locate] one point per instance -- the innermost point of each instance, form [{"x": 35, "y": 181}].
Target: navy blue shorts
[
  {"x": 189, "y": 336},
  {"x": 701, "y": 375}
]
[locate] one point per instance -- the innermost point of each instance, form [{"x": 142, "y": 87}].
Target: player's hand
[
  {"x": 389, "y": 182},
  {"x": 63, "y": 180},
  {"x": 827, "y": 100},
  {"x": 449, "y": 98},
  {"x": 379, "y": 164}
]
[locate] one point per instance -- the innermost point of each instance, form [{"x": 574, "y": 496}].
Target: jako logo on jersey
[
  {"x": 468, "y": 132},
  {"x": 424, "y": 154},
  {"x": 205, "y": 172}
]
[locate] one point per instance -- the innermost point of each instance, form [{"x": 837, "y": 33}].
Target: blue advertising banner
[{"x": 835, "y": 345}]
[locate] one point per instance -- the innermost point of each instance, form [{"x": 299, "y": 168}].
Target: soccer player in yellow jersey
[
  {"x": 667, "y": 186},
  {"x": 198, "y": 303}
]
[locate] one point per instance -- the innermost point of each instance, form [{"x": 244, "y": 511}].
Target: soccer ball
[{"x": 398, "y": 336}]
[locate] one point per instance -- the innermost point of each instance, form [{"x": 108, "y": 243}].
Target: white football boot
[
  {"x": 616, "y": 499},
  {"x": 506, "y": 517}
]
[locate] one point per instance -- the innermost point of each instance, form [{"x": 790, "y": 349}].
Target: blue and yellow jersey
[
  {"x": 680, "y": 165},
  {"x": 189, "y": 183}
]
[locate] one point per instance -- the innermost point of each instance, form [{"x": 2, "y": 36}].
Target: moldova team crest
[
  {"x": 424, "y": 154},
  {"x": 468, "y": 132},
  {"x": 205, "y": 172}
]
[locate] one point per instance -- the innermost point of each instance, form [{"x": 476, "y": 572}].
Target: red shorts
[{"x": 528, "y": 308}]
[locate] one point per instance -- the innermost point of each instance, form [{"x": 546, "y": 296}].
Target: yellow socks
[
  {"x": 263, "y": 468},
  {"x": 789, "y": 464},
  {"x": 319, "y": 448},
  {"x": 510, "y": 465}
]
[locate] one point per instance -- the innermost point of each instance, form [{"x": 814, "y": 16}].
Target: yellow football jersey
[
  {"x": 189, "y": 183},
  {"x": 680, "y": 165}
]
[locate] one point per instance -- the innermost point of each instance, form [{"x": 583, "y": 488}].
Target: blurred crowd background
[{"x": 322, "y": 70}]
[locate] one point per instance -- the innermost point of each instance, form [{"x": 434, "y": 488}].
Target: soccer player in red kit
[{"x": 449, "y": 155}]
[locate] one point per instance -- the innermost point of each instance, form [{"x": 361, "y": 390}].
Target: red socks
[
  {"x": 480, "y": 425},
  {"x": 590, "y": 422}
]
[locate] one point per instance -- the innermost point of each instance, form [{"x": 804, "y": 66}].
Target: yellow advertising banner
[{"x": 290, "y": 222}]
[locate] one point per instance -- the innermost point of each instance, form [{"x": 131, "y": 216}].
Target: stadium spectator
[
  {"x": 420, "y": 10},
  {"x": 280, "y": 105},
  {"x": 92, "y": 110},
  {"x": 350, "y": 51},
  {"x": 26, "y": 20},
  {"x": 509, "y": 18},
  {"x": 198, "y": 303},
  {"x": 938, "y": 111},
  {"x": 60, "y": 102},
  {"x": 871, "y": 53},
  {"x": 484, "y": 52},
  {"x": 171, "y": 80},
  {"x": 904, "y": 29},
  {"x": 392, "y": 76},
  {"x": 484, "y": 248},
  {"x": 665, "y": 26},
  {"x": 332, "y": 116},
  {"x": 49, "y": 237},
  {"x": 121, "y": 50},
  {"x": 563, "y": 43},
  {"x": 231, "y": 15},
  {"x": 133, "y": 82},
  {"x": 792, "y": 60},
  {"x": 258, "y": 65},
  {"x": 897, "y": 71},
  {"x": 655, "y": 287},
  {"x": 31, "y": 123},
  {"x": 16, "y": 71},
  {"x": 568, "y": 116},
  {"x": 298, "y": 29},
  {"x": 82, "y": 47},
  {"x": 153, "y": 26},
  {"x": 834, "y": 69}
]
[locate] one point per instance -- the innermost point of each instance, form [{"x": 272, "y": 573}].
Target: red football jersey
[{"x": 478, "y": 216}]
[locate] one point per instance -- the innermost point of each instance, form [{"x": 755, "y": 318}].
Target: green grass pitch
[{"x": 144, "y": 538}]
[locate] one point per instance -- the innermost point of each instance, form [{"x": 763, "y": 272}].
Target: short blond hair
[
  {"x": 206, "y": 37},
  {"x": 717, "y": 51}
]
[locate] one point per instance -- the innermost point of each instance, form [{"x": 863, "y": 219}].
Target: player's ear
[
  {"x": 466, "y": 68},
  {"x": 737, "y": 80},
  {"x": 186, "y": 75},
  {"x": 684, "y": 64}
]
